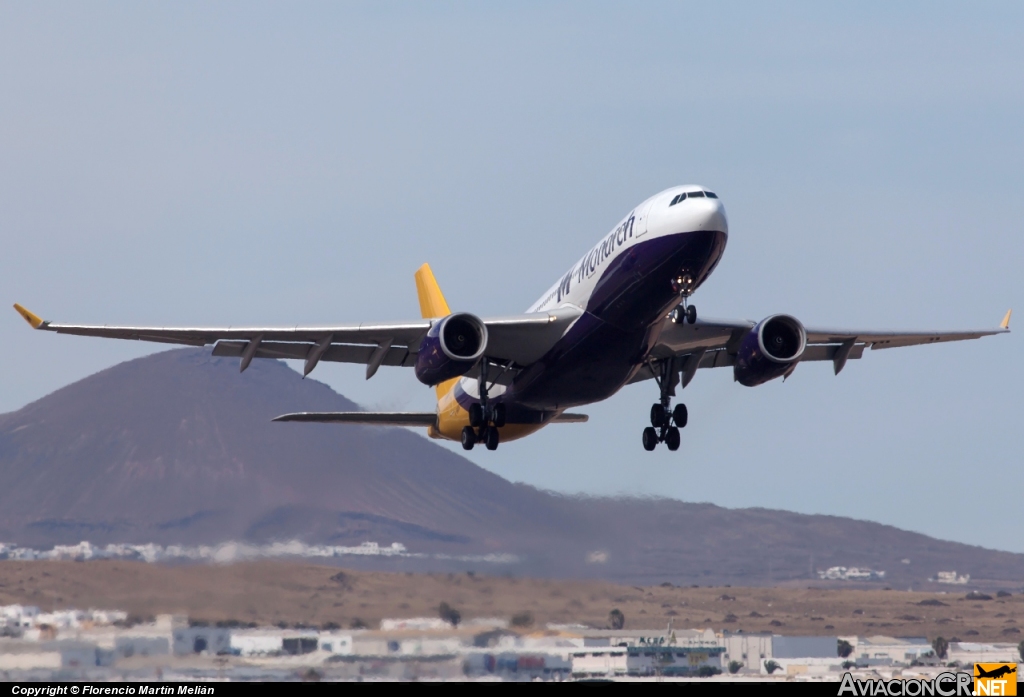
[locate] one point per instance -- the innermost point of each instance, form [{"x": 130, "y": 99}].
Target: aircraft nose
[{"x": 712, "y": 215}]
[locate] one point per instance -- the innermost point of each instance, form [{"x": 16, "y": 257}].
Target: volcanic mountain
[{"x": 179, "y": 448}]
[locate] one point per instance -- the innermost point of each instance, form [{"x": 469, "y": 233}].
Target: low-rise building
[
  {"x": 211, "y": 640},
  {"x": 517, "y": 664},
  {"x": 968, "y": 653},
  {"x": 887, "y": 650},
  {"x": 18, "y": 616},
  {"x": 288, "y": 642},
  {"x": 751, "y": 650},
  {"x": 640, "y": 660},
  {"x": 797, "y": 655},
  {"x": 52, "y": 655},
  {"x": 137, "y": 644}
]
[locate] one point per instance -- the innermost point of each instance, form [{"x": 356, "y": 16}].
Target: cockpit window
[{"x": 692, "y": 194}]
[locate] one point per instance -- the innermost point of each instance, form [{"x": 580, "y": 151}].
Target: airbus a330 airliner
[{"x": 620, "y": 315}]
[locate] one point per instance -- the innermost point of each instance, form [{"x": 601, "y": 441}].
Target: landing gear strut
[
  {"x": 665, "y": 422},
  {"x": 684, "y": 285},
  {"x": 484, "y": 419}
]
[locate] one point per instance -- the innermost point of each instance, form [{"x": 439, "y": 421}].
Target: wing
[
  {"x": 393, "y": 418},
  {"x": 712, "y": 343},
  {"x": 517, "y": 340},
  {"x": 368, "y": 418}
]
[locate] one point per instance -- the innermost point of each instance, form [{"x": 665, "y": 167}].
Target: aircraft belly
[{"x": 591, "y": 363}]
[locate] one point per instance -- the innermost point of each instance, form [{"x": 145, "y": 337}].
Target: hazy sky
[{"x": 242, "y": 163}]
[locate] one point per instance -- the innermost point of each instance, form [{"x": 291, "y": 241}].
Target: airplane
[
  {"x": 999, "y": 672},
  {"x": 620, "y": 315}
]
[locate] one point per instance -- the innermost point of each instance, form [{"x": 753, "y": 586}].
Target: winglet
[
  {"x": 432, "y": 302},
  {"x": 1005, "y": 324},
  {"x": 31, "y": 318}
]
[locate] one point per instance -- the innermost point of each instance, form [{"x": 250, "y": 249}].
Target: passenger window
[
  {"x": 711, "y": 194},
  {"x": 696, "y": 194}
]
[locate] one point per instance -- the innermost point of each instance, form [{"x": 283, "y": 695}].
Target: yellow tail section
[
  {"x": 432, "y": 302},
  {"x": 432, "y": 306}
]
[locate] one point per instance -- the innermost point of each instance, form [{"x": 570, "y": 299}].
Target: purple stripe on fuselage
[{"x": 607, "y": 345}]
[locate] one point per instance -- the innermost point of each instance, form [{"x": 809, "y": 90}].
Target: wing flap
[
  {"x": 828, "y": 352},
  {"x": 337, "y": 353}
]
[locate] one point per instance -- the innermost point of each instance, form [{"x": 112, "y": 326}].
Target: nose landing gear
[
  {"x": 665, "y": 423},
  {"x": 684, "y": 285},
  {"x": 484, "y": 419}
]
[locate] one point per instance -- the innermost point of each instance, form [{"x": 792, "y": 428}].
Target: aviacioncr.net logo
[{"x": 943, "y": 685}]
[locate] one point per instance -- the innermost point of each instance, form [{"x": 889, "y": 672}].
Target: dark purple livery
[{"x": 769, "y": 350}]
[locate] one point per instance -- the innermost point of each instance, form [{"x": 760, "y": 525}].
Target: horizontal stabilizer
[
  {"x": 567, "y": 418},
  {"x": 367, "y": 418}
]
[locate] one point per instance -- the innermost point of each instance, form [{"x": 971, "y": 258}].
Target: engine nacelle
[
  {"x": 769, "y": 350},
  {"x": 451, "y": 347}
]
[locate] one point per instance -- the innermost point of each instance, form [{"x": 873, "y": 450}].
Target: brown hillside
[{"x": 178, "y": 447}]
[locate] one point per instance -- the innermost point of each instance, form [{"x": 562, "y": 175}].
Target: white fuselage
[{"x": 652, "y": 218}]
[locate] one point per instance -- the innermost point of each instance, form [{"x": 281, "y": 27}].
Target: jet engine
[
  {"x": 451, "y": 347},
  {"x": 769, "y": 350}
]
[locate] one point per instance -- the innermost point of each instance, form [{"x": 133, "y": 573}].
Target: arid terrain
[
  {"x": 306, "y": 594},
  {"x": 178, "y": 448}
]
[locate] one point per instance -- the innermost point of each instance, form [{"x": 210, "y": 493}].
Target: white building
[
  {"x": 853, "y": 573},
  {"x": 609, "y": 661},
  {"x": 967, "y": 653},
  {"x": 19, "y": 616},
  {"x": 414, "y": 624},
  {"x": 749, "y": 649},
  {"x": 886, "y": 650},
  {"x": 209, "y": 640},
  {"x": 638, "y": 660},
  {"x": 294, "y": 642},
  {"x": 335, "y": 643},
  {"x": 951, "y": 578},
  {"x": 26, "y": 616}
]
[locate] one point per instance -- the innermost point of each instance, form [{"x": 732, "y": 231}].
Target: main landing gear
[
  {"x": 665, "y": 421},
  {"x": 484, "y": 419}
]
